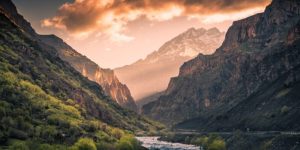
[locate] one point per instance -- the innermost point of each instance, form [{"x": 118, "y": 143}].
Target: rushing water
[{"x": 153, "y": 143}]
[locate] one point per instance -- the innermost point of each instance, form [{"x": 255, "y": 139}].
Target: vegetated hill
[
  {"x": 252, "y": 81},
  {"x": 105, "y": 77},
  {"x": 152, "y": 74},
  {"x": 46, "y": 104}
]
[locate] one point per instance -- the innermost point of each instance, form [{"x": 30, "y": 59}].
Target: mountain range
[
  {"x": 251, "y": 81},
  {"x": 45, "y": 103},
  {"x": 152, "y": 74}
]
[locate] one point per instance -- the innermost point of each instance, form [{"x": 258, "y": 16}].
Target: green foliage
[
  {"x": 85, "y": 144},
  {"x": 105, "y": 146},
  {"x": 46, "y": 104},
  {"x": 128, "y": 143},
  {"x": 200, "y": 141},
  {"x": 117, "y": 133},
  {"x": 217, "y": 144},
  {"x": 211, "y": 142},
  {"x": 18, "y": 145},
  {"x": 284, "y": 110}
]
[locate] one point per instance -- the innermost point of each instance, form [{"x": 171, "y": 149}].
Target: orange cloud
[{"x": 111, "y": 16}]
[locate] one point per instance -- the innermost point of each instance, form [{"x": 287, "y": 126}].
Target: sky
[{"x": 114, "y": 33}]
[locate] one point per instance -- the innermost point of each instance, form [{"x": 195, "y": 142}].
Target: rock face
[
  {"x": 105, "y": 77},
  {"x": 9, "y": 10},
  {"x": 151, "y": 75},
  {"x": 251, "y": 81}
]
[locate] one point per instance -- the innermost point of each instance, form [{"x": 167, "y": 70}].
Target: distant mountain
[
  {"x": 251, "y": 81},
  {"x": 105, "y": 77},
  {"x": 46, "y": 104},
  {"x": 152, "y": 74}
]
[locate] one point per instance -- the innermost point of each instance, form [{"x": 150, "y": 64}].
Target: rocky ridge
[
  {"x": 104, "y": 77},
  {"x": 248, "y": 82},
  {"x": 151, "y": 75}
]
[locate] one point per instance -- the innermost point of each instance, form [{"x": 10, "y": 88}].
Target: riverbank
[
  {"x": 239, "y": 140},
  {"x": 154, "y": 143}
]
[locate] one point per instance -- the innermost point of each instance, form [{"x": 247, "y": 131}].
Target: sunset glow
[{"x": 113, "y": 29}]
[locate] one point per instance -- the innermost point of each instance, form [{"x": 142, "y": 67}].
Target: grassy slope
[{"x": 43, "y": 99}]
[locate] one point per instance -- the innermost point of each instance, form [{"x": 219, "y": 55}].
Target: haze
[{"x": 116, "y": 33}]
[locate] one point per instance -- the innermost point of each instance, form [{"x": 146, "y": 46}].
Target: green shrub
[
  {"x": 45, "y": 147},
  {"x": 217, "y": 144},
  {"x": 200, "y": 141},
  {"x": 212, "y": 142},
  {"x": 117, "y": 133},
  {"x": 18, "y": 145},
  {"x": 105, "y": 146},
  {"x": 85, "y": 144},
  {"x": 124, "y": 145},
  {"x": 128, "y": 142}
]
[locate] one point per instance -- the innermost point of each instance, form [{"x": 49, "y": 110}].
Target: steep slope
[
  {"x": 148, "y": 99},
  {"x": 151, "y": 75},
  {"x": 250, "y": 82},
  {"x": 45, "y": 100},
  {"x": 105, "y": 77},
  {"x": 9, "y": 10}
]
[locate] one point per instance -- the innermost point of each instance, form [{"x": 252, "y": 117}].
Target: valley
[{"x": 204, "y": 89}]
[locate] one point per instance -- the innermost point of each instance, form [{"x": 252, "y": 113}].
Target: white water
[{"x": 153, "y": 143}]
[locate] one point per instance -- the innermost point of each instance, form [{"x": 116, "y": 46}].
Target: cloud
[{"x": 110, "y": 17}]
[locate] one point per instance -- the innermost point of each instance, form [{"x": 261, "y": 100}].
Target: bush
[
  {"x": 217, "y": 144},
  {"x": 117, "y": 133},
  {"x": 212, "y": 142},
  {"x": 124, "y": 145},
  {"x": 45, "y": 147},
  {"x": 200, "y": 141},
  {"x": 18, "y": 134},
  {"x": 85, "y": 144},
  {"x": 105, "y": 146},
  {"x": 18, "y": 146},
  {"x": 128, "y": 142}
]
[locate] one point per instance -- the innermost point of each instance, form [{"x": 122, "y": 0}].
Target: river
[{"x": 152, "y": 143}]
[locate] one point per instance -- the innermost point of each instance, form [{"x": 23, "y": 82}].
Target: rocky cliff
[
  {"x": 152, "y": 74},
  {"x": 105, "y": 77},
  {"x": 250, "y": 82}
]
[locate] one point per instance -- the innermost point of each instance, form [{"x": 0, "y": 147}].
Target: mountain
[
  {"x": 46, "y": 104},
  {"x": 152, "y": 74},
  {"x": 251, "y": 81},
  {"x": 104, "y": 77}
]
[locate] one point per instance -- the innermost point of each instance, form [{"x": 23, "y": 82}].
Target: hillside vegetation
[{"x": 46, "y": 104}]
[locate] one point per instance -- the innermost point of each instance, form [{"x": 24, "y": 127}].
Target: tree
[
  {"x": 85, "y": 144},
  {"x": 18, "y": 146}
]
